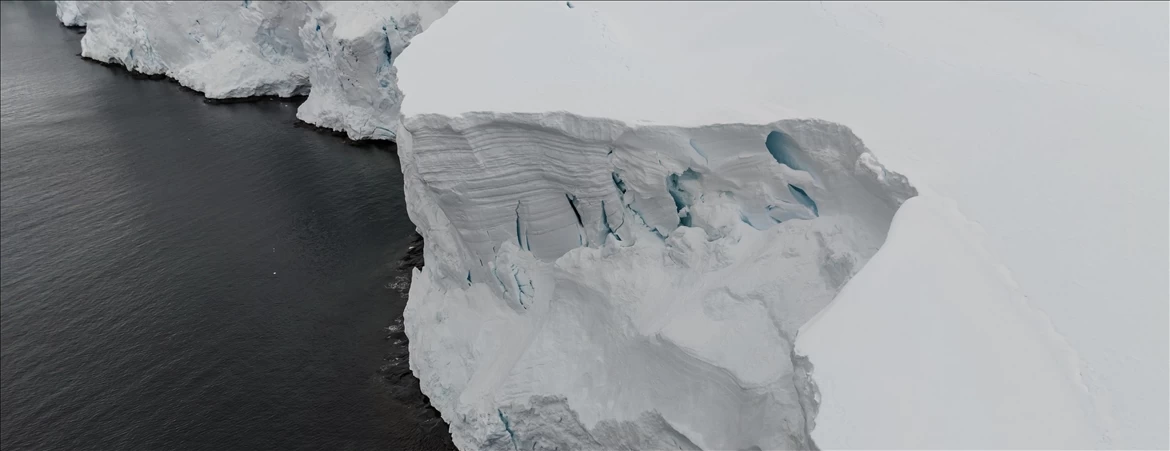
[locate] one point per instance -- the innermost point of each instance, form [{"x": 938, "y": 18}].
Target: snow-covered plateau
[{"x": 647, "y": 225}]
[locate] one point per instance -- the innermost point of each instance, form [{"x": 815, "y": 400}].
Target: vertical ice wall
[
  {"x": 72, "y": 13},
  {"x": 591, "y": 284},
  {"x": 344, "y": 51},
  {"x": 351, "y": 48},
  {"x": 222, "y": 49}
]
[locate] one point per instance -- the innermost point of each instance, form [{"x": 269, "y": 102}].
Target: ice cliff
[
  {"x": 343, "y": 51},
  {"x": 351, "y": 48},
  {"x": 629, "y": 220},
  {"x": 593, "y": 284},
  {"x": 637, "y": 238},
  {"x": 72, "y": 13}
]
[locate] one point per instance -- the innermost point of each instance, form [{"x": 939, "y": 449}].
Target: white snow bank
[
  {"x": 932, "y": 346},
  {"x": 1046, "y": 122}
]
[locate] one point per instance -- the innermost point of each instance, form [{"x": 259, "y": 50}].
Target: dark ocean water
[{"x": 182, "y": 275}]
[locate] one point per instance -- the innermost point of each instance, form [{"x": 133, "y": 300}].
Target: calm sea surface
[{"x": 182, "y": 275}]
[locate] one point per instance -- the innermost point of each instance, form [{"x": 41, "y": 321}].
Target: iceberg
[
  {"x": 72, "y": 13},
  {"x": 933, "y": 346}
]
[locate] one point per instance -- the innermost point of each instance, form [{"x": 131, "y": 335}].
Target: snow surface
[
  {"x": 344, "y": 50},
  {"x": 1046, "y": 122},
  {"x": 939, "y": 311}
]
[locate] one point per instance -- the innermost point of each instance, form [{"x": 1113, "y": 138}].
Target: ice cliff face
[
  {"x": 351, "y": 48},
  {"x": 72, "y": 13},
  {"x": 344, "y": 51},
  {"x": 592, "y": 284},
  {"x": 222, "y": 49},
  {"x": 637, "y": 282}
]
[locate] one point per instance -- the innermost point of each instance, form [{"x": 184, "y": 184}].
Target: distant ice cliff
[
  {"x": 635, "y": 235},
  {"x": 343, "y": 50}
]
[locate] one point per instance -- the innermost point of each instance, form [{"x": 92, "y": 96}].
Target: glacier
[
  {"x": 637, "y": 238},
  {"x": 342, "y": 50},
  {"x": 222, "y": 49},
  {"x": 564, "y": 296},
  {"x": 582, "y": 273}
]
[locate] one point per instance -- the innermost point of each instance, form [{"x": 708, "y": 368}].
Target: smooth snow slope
[
  {"x": 977, "y": 361},
  {"x": 1046, "y": 122}
]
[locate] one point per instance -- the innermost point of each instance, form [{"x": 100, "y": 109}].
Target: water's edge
[{"x": 297, "y": 100}]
